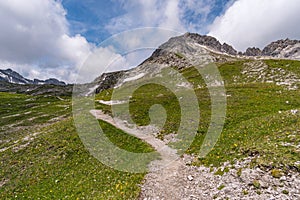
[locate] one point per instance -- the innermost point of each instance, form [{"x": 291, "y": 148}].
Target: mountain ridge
[
  {"x": 182, "y": 51},
  {"x": 177, "y": 51},
  {"x": 11, "y": 76}
]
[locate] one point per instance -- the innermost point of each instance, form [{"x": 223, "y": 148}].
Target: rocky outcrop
[
  {"x": 276, "y": 47},
  {"x": 211, "y": 42},
  {"x": 283, "y": 49},
  {"x": 253, "y": 51},
  {"x": 107, "y": 80},
  {"x": 235, "y": 180}
]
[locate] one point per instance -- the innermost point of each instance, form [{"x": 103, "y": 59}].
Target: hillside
[{"x": 256, "y": 156}]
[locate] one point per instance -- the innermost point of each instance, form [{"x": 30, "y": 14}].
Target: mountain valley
[{"x": 256, "y": 155}]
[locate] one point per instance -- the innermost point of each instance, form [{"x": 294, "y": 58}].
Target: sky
[{"x": 58, "y": 38}]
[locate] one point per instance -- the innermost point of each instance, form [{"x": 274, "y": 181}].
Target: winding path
[
  {"x": 172, "y": 179},
  {"x": 162, "y": 180}
]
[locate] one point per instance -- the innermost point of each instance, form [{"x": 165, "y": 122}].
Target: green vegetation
[
  {"x": 245, "y": 192},
  {"x": 45, "y": 158},
  {"x": 179, "y": 55},
  {"x": 256, "y": 184},
  {"x": 258, "y": 121},
  {"x": 276, "y": 173},
  {"x": 289, "y": 65},
  {"x": 285, "y": 192},
  {"x": 221, "y": 187},
  {"x": 22, "y": 115},
  {"x": 239, "y": 172}
]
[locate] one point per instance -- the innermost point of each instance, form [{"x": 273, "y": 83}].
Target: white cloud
[
  {"x": 35, "y": 33},
  {"x": 257, "y": 22},
  {"x": 35, "y": 38},
  {"x": 123, "y": 51},
  {"x": 139, "y": 14},
  {"x": 96, "y": 64},
  {"x": 175, "y": 15}
]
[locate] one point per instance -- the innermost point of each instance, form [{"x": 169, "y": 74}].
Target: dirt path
[
  {"x": 168, "y": 155},
  {"x": 162, "y": 180},
  {"x": 172, "y": 179}
]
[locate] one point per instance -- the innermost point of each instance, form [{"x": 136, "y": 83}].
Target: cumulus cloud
[
  {"x": 257, "y": 22},
  {"x": 104, "y": 60},
  {"x": 147, "y": 13},
  {"x": 178, "y": 15},
  {"x": 35, "y": 33},
  {"x": 35, "y": 38}
]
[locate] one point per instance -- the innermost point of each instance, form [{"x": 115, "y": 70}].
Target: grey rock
[{"x": 253, "y": 52}]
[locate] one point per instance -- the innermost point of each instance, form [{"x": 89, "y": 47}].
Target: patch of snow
[
  {"x": 134, "y": 78},
  {"x": 112, "y": 102},
  {"x": 3, "y": 75},
  {"x": 91, "y": 90}
]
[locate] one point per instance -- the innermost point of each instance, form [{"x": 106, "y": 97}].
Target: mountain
[
  {"x": 256, "y": 155},
  {"x": 288, "y": 49},
  {"x": 283, "y": 49},
  {"x": 189, "y": 49},
  {"x": 11, "y": 76},
  {"x": 11, "y": 81}
]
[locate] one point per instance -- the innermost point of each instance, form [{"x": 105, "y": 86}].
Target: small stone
[
  {"x": 297, "y": 163},
  {"x": 190, "y": 178},
  {"x": 294, "y": 112},
  {"x": 283, "y": 178},
  {"x": 264, "y": 184}
]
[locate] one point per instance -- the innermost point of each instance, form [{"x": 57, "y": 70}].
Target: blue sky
[
  {"x": 53, "y": 38},
  {"x": 89, "y": 18}
]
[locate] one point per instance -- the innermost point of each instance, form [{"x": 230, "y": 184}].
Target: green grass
[
  {"x": 21, "y": 113},
  {"x": 253, "y": 123},
  {"x": 52, "y": 163},
  {"x": 57, "y": 166},
  {"x": 289, "y": 65}
]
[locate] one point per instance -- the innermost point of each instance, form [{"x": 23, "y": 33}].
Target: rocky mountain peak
[
  {"x": 253, "y": 51},
  {"x": 185, "y": 45},
  {"x": 282, "y": 48},
  {"x": 211, "y": 42}
]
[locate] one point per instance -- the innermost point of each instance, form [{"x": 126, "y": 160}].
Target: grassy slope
[
  {"x": 254, "y": 124},
  {"x": 55, "y": 165}
]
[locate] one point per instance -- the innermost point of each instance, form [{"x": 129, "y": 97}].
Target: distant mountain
[
  {"x": 287, "y": 48},
  {"x": 11, "y": 76}
]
